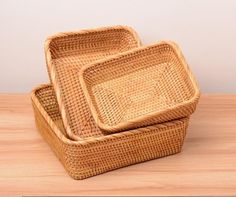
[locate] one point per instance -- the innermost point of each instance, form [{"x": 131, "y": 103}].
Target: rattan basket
[
  {"x": 99, "y": 154},
  {"x": 66, "y": 53},
  {"x": 141, "y": 87}
]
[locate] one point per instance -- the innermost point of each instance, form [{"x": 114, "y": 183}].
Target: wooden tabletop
[{"x": 206, "y": 166}]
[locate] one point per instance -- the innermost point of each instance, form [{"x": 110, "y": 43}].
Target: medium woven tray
[
  {"x": 96, "y": 155},
  {"x": 68, "y": 52},
  {"x": 141, "y": 87}
]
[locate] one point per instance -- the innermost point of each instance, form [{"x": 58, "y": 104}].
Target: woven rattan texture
[
  {"x": 97, "y": 155},
  {"x": 66, "y": 53},
  {"x": 141, "y": 87}
]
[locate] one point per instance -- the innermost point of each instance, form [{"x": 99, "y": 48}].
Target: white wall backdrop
[{"x": 204, "y": 29}]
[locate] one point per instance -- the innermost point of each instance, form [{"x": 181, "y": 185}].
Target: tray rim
[{"x": 123, "y": 125}]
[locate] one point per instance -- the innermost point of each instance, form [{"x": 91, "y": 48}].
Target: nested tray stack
[{"x": 113, "y": 103}]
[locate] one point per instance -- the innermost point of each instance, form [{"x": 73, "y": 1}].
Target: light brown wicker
[
  {"x": 96, "y": 155},
  {"x": 141, "y": 87},
  {"x": 66, "y": 53}
]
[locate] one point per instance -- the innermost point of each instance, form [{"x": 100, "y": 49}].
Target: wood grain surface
[{"x": 206, "y": 166}]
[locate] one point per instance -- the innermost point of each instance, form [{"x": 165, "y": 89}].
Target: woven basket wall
[{"x": 101, "y": 153}]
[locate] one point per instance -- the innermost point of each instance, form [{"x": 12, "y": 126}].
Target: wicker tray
[
  {"x": 68, "y": 52},
  {"x": 96, "y": 155},
  {"x": 141, "y": 87}
]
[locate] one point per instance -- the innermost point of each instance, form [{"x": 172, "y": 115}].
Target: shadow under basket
[{"x": 95, "y": 155}]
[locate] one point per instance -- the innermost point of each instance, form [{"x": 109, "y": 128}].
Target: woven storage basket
[
  {"x": 96, "y": 155},
  {"x": 68, "y": 52},
  {"x": 141, "y": 87}
]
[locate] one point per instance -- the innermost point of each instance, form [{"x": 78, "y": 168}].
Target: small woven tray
[
  {"x": 141, "y": 87},
  {"x": 66, "y": 53},
  {"x": 96, "y": 155}
]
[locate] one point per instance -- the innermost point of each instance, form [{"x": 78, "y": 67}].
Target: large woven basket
[
  {"x": 66, "y": 53},
  {"x": 99, "y": 154},
  {"x": 141, "y": 87}
]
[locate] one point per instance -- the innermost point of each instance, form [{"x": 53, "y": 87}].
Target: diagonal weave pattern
[
  {"x": 140, "y": 87},
  {"x": 66, "y": 54}
]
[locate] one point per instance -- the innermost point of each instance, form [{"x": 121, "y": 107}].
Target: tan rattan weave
[
  {"x": 141, "y": 87},
  {"x": 96, "y": 155},
  {"x": 66, "y": 53}
]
